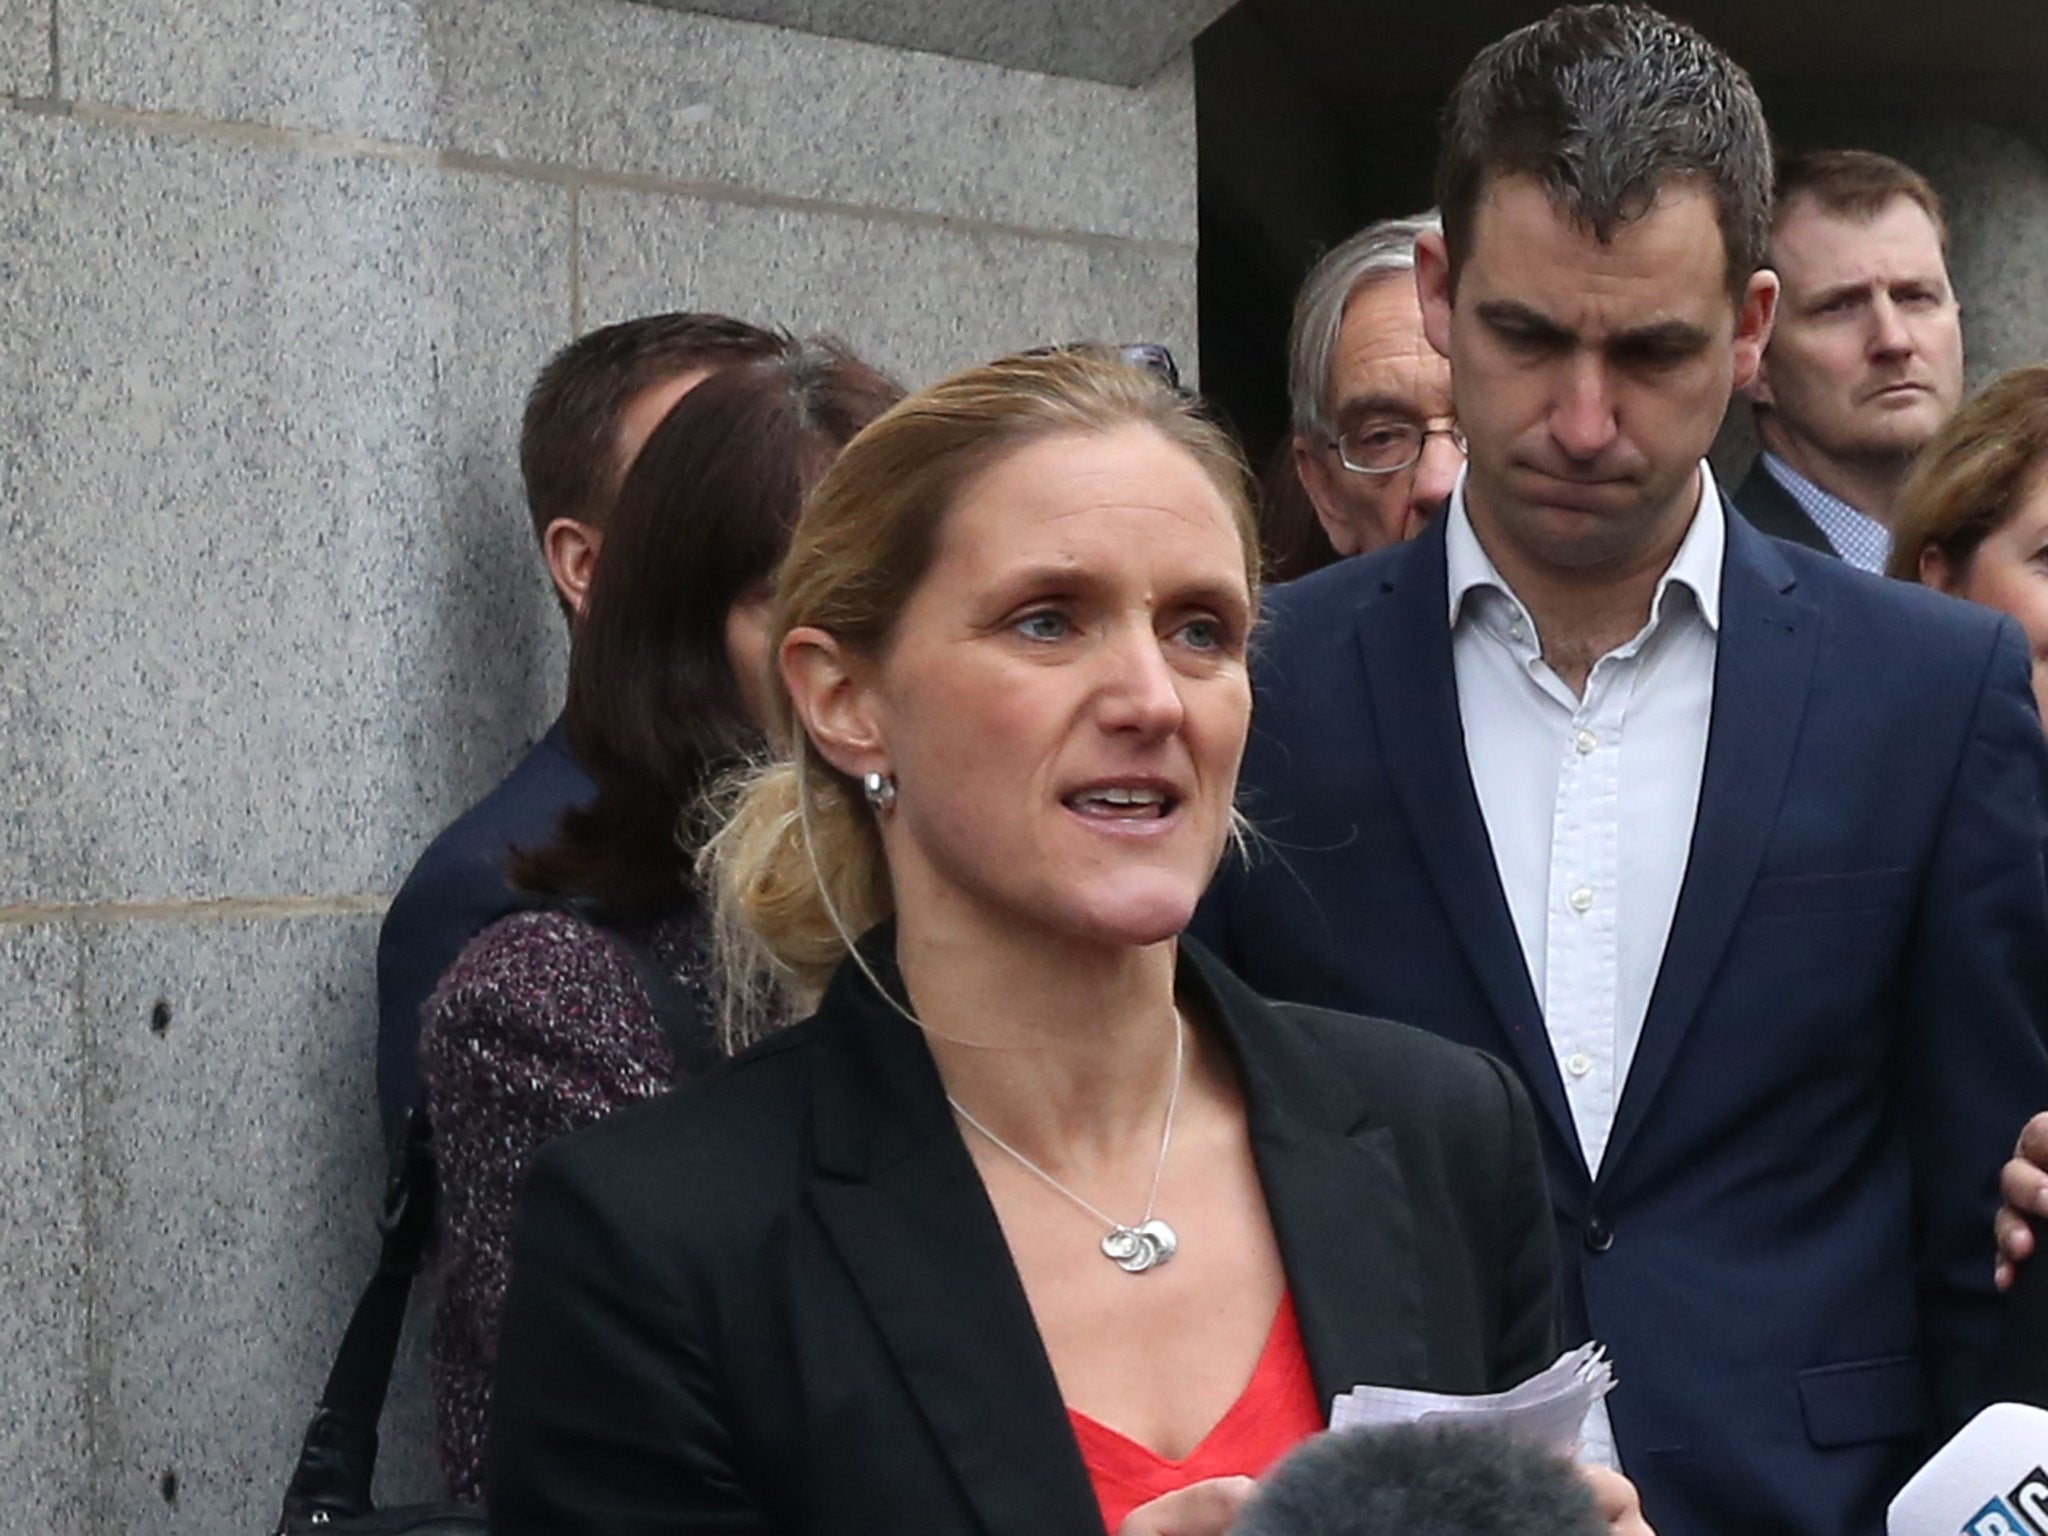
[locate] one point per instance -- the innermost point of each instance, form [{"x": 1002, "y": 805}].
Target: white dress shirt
[{"x": 1589, "y": 802}]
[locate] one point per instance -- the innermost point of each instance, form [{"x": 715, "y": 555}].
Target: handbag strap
[
  {"x": 339, "y": 1455},
  {"x": 692, "y": 1038}
]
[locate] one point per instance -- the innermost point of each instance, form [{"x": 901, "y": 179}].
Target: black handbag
[{"x": 329, "y": 1491}]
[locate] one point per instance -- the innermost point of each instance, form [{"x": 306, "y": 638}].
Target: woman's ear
[
  {"x": 831, "y": 691},
  {"x": 1935, "y": 570}
]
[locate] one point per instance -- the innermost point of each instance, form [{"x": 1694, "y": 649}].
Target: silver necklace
[{"x": 1151, "y": 1242}]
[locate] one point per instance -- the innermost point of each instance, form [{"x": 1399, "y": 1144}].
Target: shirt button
[
  {"x": 1581, "y": 900},
  {"x": 1585, "y": 741},
  {"x": 1578, "y": 1063}
]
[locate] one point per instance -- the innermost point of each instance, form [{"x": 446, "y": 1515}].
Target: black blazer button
[{"x": 1599, "y": 1236}]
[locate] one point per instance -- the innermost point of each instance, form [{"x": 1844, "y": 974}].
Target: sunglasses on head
[{"x": 1151, "y": 356}]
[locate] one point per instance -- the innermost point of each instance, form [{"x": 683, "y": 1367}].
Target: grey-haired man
[{"x": 1376, "y": 443}]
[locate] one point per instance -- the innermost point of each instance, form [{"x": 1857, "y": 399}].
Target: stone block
[
  {"x": 1121, "y": 41},
  {"x": 235, "y": 1166},
  {"x": 274, "y": 610},
  {"x": 918, "y": 299},
  {"x": 45, "y": 1434},
  {"x": 607, "y": 86},
  {"x": 1994, "y": 187},
  {"x": 24, "y": 48}
]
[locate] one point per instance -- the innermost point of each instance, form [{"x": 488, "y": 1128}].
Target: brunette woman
[
  {"x": 1972, "y": 519},
  {"x": 554, "y": 1017}
]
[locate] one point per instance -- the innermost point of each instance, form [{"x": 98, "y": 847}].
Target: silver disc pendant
[{"x": 1137, "y": 1249}]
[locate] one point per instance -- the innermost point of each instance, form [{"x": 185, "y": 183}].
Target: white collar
[{"x": 1696, "y": 567}]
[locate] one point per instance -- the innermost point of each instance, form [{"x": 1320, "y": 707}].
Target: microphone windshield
[
  {"x": 1426, "y": 1479},
  {"x": 1988, "y": 1481}
]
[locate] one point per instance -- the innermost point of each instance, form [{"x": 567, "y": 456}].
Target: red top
[{"x": 1276, "y": 1411}]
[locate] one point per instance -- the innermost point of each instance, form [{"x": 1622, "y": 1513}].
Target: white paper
[{"x": 1544, "y": 1411}]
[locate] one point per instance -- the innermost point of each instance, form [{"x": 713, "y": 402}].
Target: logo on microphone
[{"x": 2023, "y": 1512}]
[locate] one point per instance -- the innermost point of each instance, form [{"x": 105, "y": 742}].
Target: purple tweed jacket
[{"x": 539, "y": 1028}]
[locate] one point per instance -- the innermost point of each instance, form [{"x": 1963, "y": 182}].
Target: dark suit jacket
[
  {"x": 1774, "y": 510},
  {"x": 779, "y": 1300},
  {"x": 2022, "y": 1372},
  {"x": 1788, "y": 1244},
  {"x": 455, "y": 891}
]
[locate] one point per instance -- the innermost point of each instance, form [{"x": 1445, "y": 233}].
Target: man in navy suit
[
  {"x": 1738, "y": 855},
  {"x": 592, "y": 407},
  {"x": 1865, "y": 361}
]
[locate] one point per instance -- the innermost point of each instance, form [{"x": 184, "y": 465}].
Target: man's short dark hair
[
  {"x": 569, "y": 441},
  {"x": 1601, "y": 105},
  {"x": 655, "y": 708},
  {"x": 1854, "y": 184}
]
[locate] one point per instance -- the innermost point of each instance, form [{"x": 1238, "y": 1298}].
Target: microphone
[
  {"x": 1987, "y": 1481},
  {"x": 1422, "y": 1479}
]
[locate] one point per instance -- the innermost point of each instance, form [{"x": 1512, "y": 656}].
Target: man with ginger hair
[{"x": 1865, "y": 361}]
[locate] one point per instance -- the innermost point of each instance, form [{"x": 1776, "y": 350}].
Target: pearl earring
[{"x": 880, "y": 790}]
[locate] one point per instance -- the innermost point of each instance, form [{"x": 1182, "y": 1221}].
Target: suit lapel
[
  {"x": 1763, "y": 665},
  {"x": 897, "y": 1193},
  {"x": 1774, "y": 510},
  {"x": 899, "y": 1197},
  {"x": 1405, "y": 643},
  {"x": 1334, "y": 1190}
]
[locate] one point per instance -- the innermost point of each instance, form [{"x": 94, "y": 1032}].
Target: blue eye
[
  {"x": 1202, "y": 634},
  {"x": 1046, "y": 624}
]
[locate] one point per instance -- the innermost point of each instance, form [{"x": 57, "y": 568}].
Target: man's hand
[
  {"x": 1615, "y": 1497},
  {"x": 2024, "y": 1183},
  {"x": 1200, "y": 1509}
]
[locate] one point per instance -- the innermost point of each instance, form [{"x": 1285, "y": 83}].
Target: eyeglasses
[
  {"x": 1388, "y": 447},
  {"x": 1148, "y": 355}
]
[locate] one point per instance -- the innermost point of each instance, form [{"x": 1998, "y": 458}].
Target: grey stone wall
[
  {"x": 275, "y": 275},
  {"x": 1124, "y": 42}
]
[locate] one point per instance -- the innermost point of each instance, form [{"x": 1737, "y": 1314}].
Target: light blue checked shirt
[{"x": 1862, "y": 541}]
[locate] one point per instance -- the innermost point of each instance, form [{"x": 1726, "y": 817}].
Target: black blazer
[
  {"x": 1772, "y": 509},
  {"x": 779, "y": 1300}
]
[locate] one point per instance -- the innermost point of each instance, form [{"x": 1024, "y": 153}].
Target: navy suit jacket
[
  {"x": 455, "y": 891},
  {"x": 1787, "y": 1246},
  {"x": 1776, "y": 511},
  {"x": 2023, "y": 1350}
]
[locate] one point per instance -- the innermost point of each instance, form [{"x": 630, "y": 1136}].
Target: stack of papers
[{"x": 1545, "y": 1411}]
